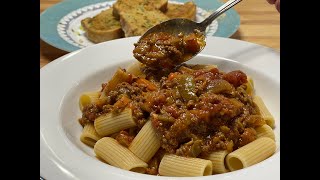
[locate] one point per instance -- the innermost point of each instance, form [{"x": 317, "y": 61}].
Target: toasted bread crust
[
  {"x": 128, "y": 5},
  {"x": 102, "y": 27},
  {"x": 136, "y": 23},
  {"x": 186, "y": 10},
  {"x": 135, "y": 17}
]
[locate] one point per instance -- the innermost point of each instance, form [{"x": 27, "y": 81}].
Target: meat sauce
[
  {"x": 195, "y": 111},
  {"x": 166, "y": 50}
]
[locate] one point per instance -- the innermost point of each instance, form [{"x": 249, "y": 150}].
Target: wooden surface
[{"x": 260, "y": 24}]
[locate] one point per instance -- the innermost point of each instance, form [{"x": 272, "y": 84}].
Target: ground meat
[
  {"x": 219, "y": 106},
  {"x": 236, "y": 78},
  {"x": 124, "y": 138},
  {"x": 83, "y": 121},
  {"x": 194, "y": 111},
  {"x": 153, "y": 164},
  {"x": 254, "y": 121},
  {"x": 166, "y": 50},
  {"x": 247, "y": 136},
  {"x": 124, "y": 88},
  {"x": 91, "y": 112},
  {"x": 214, "y": 143},
  {"x": 190, "y": 149},
  {"x": 218, "y": 115}
]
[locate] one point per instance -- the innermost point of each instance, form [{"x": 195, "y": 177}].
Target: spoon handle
[{"x": 217, "y": 13}]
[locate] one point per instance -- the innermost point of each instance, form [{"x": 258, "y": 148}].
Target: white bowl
[{"x": 63, "y": 156}]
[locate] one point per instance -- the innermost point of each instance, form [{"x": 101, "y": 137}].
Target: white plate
[{"x": 63, "y": 156}]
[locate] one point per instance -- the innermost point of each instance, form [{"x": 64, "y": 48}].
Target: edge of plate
[{"x": 276, "y": 156}]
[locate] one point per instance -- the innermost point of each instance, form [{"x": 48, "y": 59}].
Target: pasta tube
[
  {"x": 135, "y": 69},
  {"x": 89, "y": 135},
  {"x": 173, "y": 165},
  {"x": 117, "y": 155},
  {"x": 266, "y": 115},
  {"x": 111, "y": 123},
  {"x": 217, "y": 159},
  {"x": 250, "y": 86},
  {"x": 88, "y": 98},
  {"x": 250, "y": 154},
  {"x": 265, "y": 131},
  {"x": 146, "y": 143},
  {"x": 119, "y": 77}
]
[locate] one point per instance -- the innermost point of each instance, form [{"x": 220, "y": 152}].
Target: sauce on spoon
[{"x": 166, "y": 50}]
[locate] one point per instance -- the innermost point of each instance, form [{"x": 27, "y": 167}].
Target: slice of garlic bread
[
  {"x": 102, "y": 27},
  {"x": 186, "y": 10},
  {"x": 136, "y": 23},
  {"x": 129, "y": 5}
]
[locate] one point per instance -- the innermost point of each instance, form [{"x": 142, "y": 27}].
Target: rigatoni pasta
[
  {"x": 265, "y": 113},
  {"x": 119, "y": 77},
  {"x": 191, "y": 121},
  {"x": 89, "y": 136},
  {"x": 116, "y": 155},
  {"x": 88, "y": 98},
  {"x": 173, "y": 165},
  {"x": 252, "y": 153},
  {"x": 111, "y": 123},
  {"x": 135, "y": 69},
  {"x": 217, "y": 158},
  {"x": 265, "y": 131},
  {"x": 250, "y": 86},
  {"x": 146, "y": 143}
]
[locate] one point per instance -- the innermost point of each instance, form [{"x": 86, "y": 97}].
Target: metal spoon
[{"x": 186, "y": 26}]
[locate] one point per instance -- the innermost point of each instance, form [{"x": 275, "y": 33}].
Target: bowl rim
[{"x": 49, "y": 155}]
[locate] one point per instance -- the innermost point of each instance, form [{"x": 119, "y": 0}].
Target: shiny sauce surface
[{"x": 166, "y": 50}]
